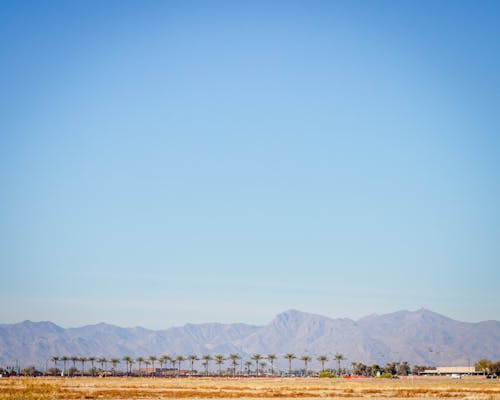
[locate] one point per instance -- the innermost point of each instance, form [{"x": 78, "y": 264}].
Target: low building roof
[{"x": 451, "y": 370}]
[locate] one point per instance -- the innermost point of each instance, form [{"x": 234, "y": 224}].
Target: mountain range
[{"x": 420, "y": 337}]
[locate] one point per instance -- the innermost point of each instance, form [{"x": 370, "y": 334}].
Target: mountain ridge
[{"x": 419, "y": 337}]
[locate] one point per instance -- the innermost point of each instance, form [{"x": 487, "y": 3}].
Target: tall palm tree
[
  {"x": 256, "y": 358},
  {"x": 306, "y": 359},
  {"x": 114, "y": 363},
  {"x": 139, "y": 360},
  {"x": 290, "y": 357},
  {"x": 263, "y": 366},
  {"x": 192, "y": 358},
  {"x": 339, "y": 357},
  {"x": 248, "y": 364},
  {"x": 354, "y": 367},
  {"x": 83, "y": 360},
  {"x": 179, "y": 359},
  {"x": 128, "y": 364},
  {"x": 74, "y": 359},
  {"x": 206, "y": 359},
  {"x": 102, "y": 361},
  {"x": 153, "y": 359},
  {"x": 163, "y": 359},
  {"x": 171, "y": 360},
  {"x": 55, "y": 359},
  {"x": 271, "y": 358},
  {"x": 322, "y": 359},
  {"x": 219, "y": 360},
  {"x": 234, "y": 361},
  {"x": 64, "y": 359},
  {"x": 92, "y": 359}
]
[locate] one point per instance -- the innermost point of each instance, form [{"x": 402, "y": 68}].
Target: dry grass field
[{"x": 249, "y": 388}]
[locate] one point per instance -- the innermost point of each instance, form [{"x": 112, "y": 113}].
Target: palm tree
[
  {"x": 263, "y": 365},
  {"x": 64, "y": 359},
  {"x": 55, "y": 359},
  {"x": 128, "y": 364},
  {"x": 248, "y": 364},
  {"x": 153, "y": 359},
  {"x": 322, "y": 359},
  {"x": 355, "y": 367},
  {"x": 306, "y": 359},
  {"x": 256, "y": 358},
  {"x": 114, "y": 363},
  {"x": 140, "y": 360},
  {"x": 234, "y": 361},
  {"x": 271, "y": 358},
  {"x": 74, "y": 359},
  {"x": 290, "y": 357},
  {"x": 339, "y": 357},
  {"x": 171, "y": 360},
  {"x": 219, "y": 360},
  {"x": 83, "y": 360},
  {"x": 206, "y": 359},
  {"x": 163, "y": 360},
  {"x": 192, "y": 358},
  {"x": 92, "y": 359},
  {"x": 179, "y": 359},
  {"x": 102, "y": 361}
]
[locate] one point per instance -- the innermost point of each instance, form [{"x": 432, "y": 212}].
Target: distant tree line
[
  {"x": 488, "y": 367},
  {"x": 230, "y": 365}
]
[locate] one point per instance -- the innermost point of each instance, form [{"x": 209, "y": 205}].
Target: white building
[{"x": 451, "y": 371}]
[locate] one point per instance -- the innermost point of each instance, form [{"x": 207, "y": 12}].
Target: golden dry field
[{"x": 42, "y": 388}]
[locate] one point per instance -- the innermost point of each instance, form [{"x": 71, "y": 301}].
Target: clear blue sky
[{"x": 171, "y": 162}]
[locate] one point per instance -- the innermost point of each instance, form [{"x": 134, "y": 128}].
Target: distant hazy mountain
[{"x": 419, "y": 337}]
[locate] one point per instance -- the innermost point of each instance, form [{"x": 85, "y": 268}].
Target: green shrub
[
  {"x": 326, "y": 374},
  {"x": 387, "y": 375}
]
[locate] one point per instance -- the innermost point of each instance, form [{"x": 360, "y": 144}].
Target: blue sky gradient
[{"x": 171, "y": 162}]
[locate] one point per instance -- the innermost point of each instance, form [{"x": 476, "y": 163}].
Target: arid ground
[{"x": 246, "y": 388}]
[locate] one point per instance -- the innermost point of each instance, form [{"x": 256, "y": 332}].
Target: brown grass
[{"x": 228, "y": 388}]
